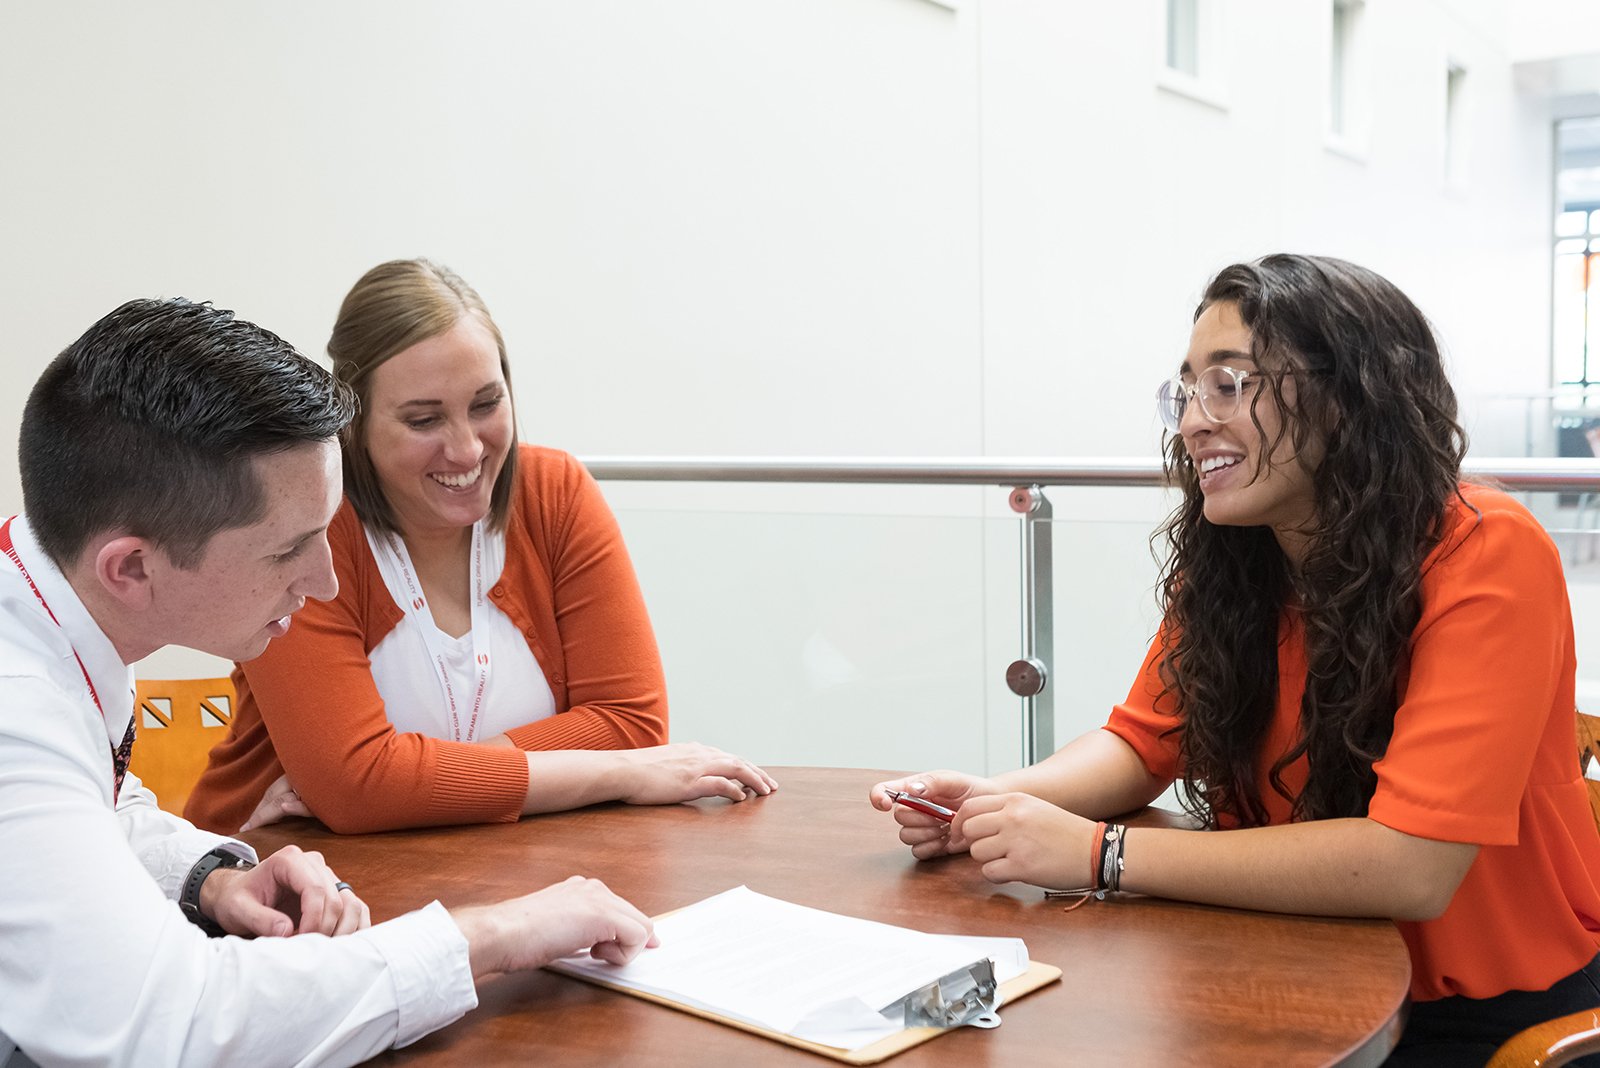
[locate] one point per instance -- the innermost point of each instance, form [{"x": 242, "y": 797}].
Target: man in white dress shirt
[{"x": 179, "y": 470}]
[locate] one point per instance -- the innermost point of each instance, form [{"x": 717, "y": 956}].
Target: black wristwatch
[{"x": 189, "y": 900}]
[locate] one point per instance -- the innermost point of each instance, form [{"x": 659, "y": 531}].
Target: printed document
[{"x": 831, "y": 979}]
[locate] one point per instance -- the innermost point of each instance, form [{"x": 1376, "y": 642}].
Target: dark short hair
[
  {"x": 392, "y": 307},
  {"x": 151, "y": 421}
]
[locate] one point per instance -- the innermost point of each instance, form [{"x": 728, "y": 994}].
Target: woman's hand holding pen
[
  {"x": 1020, "y": 838},
  {"x": 930, "y": 835}
]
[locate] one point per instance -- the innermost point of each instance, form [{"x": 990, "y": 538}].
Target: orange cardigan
[{"x": 309, "y": 706}]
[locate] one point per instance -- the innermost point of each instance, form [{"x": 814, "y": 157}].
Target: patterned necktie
[{"x": 120, "y": 757}]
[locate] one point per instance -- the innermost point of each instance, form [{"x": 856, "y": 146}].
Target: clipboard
[{"x": 1037, "y": 975}]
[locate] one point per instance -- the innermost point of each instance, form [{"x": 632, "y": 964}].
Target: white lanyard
[{"x": 416, "y": 607}]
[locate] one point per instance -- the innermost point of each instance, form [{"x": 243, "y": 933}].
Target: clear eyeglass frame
[{"x": 1220, "y": 389}]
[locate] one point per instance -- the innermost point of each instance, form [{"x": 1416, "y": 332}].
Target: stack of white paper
[{"x": 816, "y": 975}]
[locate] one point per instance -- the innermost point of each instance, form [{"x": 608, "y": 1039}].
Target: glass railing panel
[
  {"x": 1106, "y": 614},
  {"x": 844, "y": 639},
  {"x": 1573, "y": 520},
  {"x": 1551, "y": 422},
  {"x": 828, "y": 639}
]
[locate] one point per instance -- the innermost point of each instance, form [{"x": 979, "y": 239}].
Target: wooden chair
[
  {"x": 1562, "y": 1040},
  {"x": 179, "y": 721}
]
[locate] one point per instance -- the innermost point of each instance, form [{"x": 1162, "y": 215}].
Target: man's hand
[
  {"x": 531, "y": 931},
  {"x": 291, "y": 892}
]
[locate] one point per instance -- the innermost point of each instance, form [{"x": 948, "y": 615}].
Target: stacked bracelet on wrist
[
  {"x": 1108, "y": 859},
  {"x": 1105, "y": 865}
]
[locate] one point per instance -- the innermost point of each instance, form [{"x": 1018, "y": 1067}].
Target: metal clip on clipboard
[{"x": 966, "y": 996}]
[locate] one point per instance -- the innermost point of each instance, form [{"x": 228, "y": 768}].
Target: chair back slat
[{"x": 179, "y": 721}]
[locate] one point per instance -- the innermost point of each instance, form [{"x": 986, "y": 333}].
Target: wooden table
[{"x": 1145, "y": 981}]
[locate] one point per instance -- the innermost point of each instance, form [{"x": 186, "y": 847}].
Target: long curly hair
[{"x": 1371, "y": 397}]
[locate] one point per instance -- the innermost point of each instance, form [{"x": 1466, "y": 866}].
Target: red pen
[{"x": 921, "y": 804}]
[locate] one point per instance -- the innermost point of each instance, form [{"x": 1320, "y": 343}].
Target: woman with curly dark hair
[{"x": 1363, "y": 682}]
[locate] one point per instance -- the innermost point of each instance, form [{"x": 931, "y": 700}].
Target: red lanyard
[{"x": 10, "y": 549}]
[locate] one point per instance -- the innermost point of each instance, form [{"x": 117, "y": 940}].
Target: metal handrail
[
  {"x": 1028, "y": 676},
  {"x": 1513, "y": 473}
]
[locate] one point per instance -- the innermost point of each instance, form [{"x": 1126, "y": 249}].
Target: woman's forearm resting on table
[
  {"x": 1346, "y": 867},
  {"x": 659, "y": 775},
  {"x": 1097, "y": 775},
  {"x": 1036, "y": 825},
  {"x": 616, "y": 724},
  {"x": 571, "y": 778},
  {"x": 558, "y": 780},
  {"x": 1339, "y": 867}
]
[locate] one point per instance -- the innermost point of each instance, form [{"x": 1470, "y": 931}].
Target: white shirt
[
  {"x": 97, "y": 963},
  {"x": 517, "y": 694}
]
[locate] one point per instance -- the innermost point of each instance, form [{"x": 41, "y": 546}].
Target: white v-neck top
[{"x": 517, "y": 694}]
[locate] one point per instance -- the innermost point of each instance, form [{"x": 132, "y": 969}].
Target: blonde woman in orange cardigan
[{"x": 488, "y": 654}]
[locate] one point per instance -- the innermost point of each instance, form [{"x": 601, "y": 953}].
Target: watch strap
[{"x": 189, "y": 899}]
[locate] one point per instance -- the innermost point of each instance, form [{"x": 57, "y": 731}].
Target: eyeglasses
[{"x": 1220, "y": 388}]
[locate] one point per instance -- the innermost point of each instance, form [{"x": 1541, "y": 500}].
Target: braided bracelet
[{"x": 1096, "y": 851}]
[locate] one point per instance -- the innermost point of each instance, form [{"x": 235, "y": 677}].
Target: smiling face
[
  {"x": 1240, "y": 488},
  {"x": 439, "y": 428},
  {"x": 251, "y": 579}
]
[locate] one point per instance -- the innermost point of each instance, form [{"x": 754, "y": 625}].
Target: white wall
[
  {"x": 1554, "y": 28},
  {"x": 824, "y": 227}
]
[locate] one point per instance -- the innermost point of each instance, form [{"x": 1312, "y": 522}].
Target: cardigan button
[
  {"x": 532, "y": 632},
  {"x": 498, "y": 591}
]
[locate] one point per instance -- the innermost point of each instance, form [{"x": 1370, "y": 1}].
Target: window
[
  {"x": 1455, "y": 149},
  {"x": 1341, "y": 67},
  {"x": 1190, "y": 63},
  {"x": 1575, "y": 280},
  {"x": 1575, "y": 321},
  {"x": 1183, "y": 37},
  {"x": 1347, "y": 107}
]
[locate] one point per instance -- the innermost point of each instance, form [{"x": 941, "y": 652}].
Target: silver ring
[{"x": 341, "y": 886}]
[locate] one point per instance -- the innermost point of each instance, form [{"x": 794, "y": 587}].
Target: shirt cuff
[
  {"x": 170, "y": 859},
  {"x": 427, "y": 957}
]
